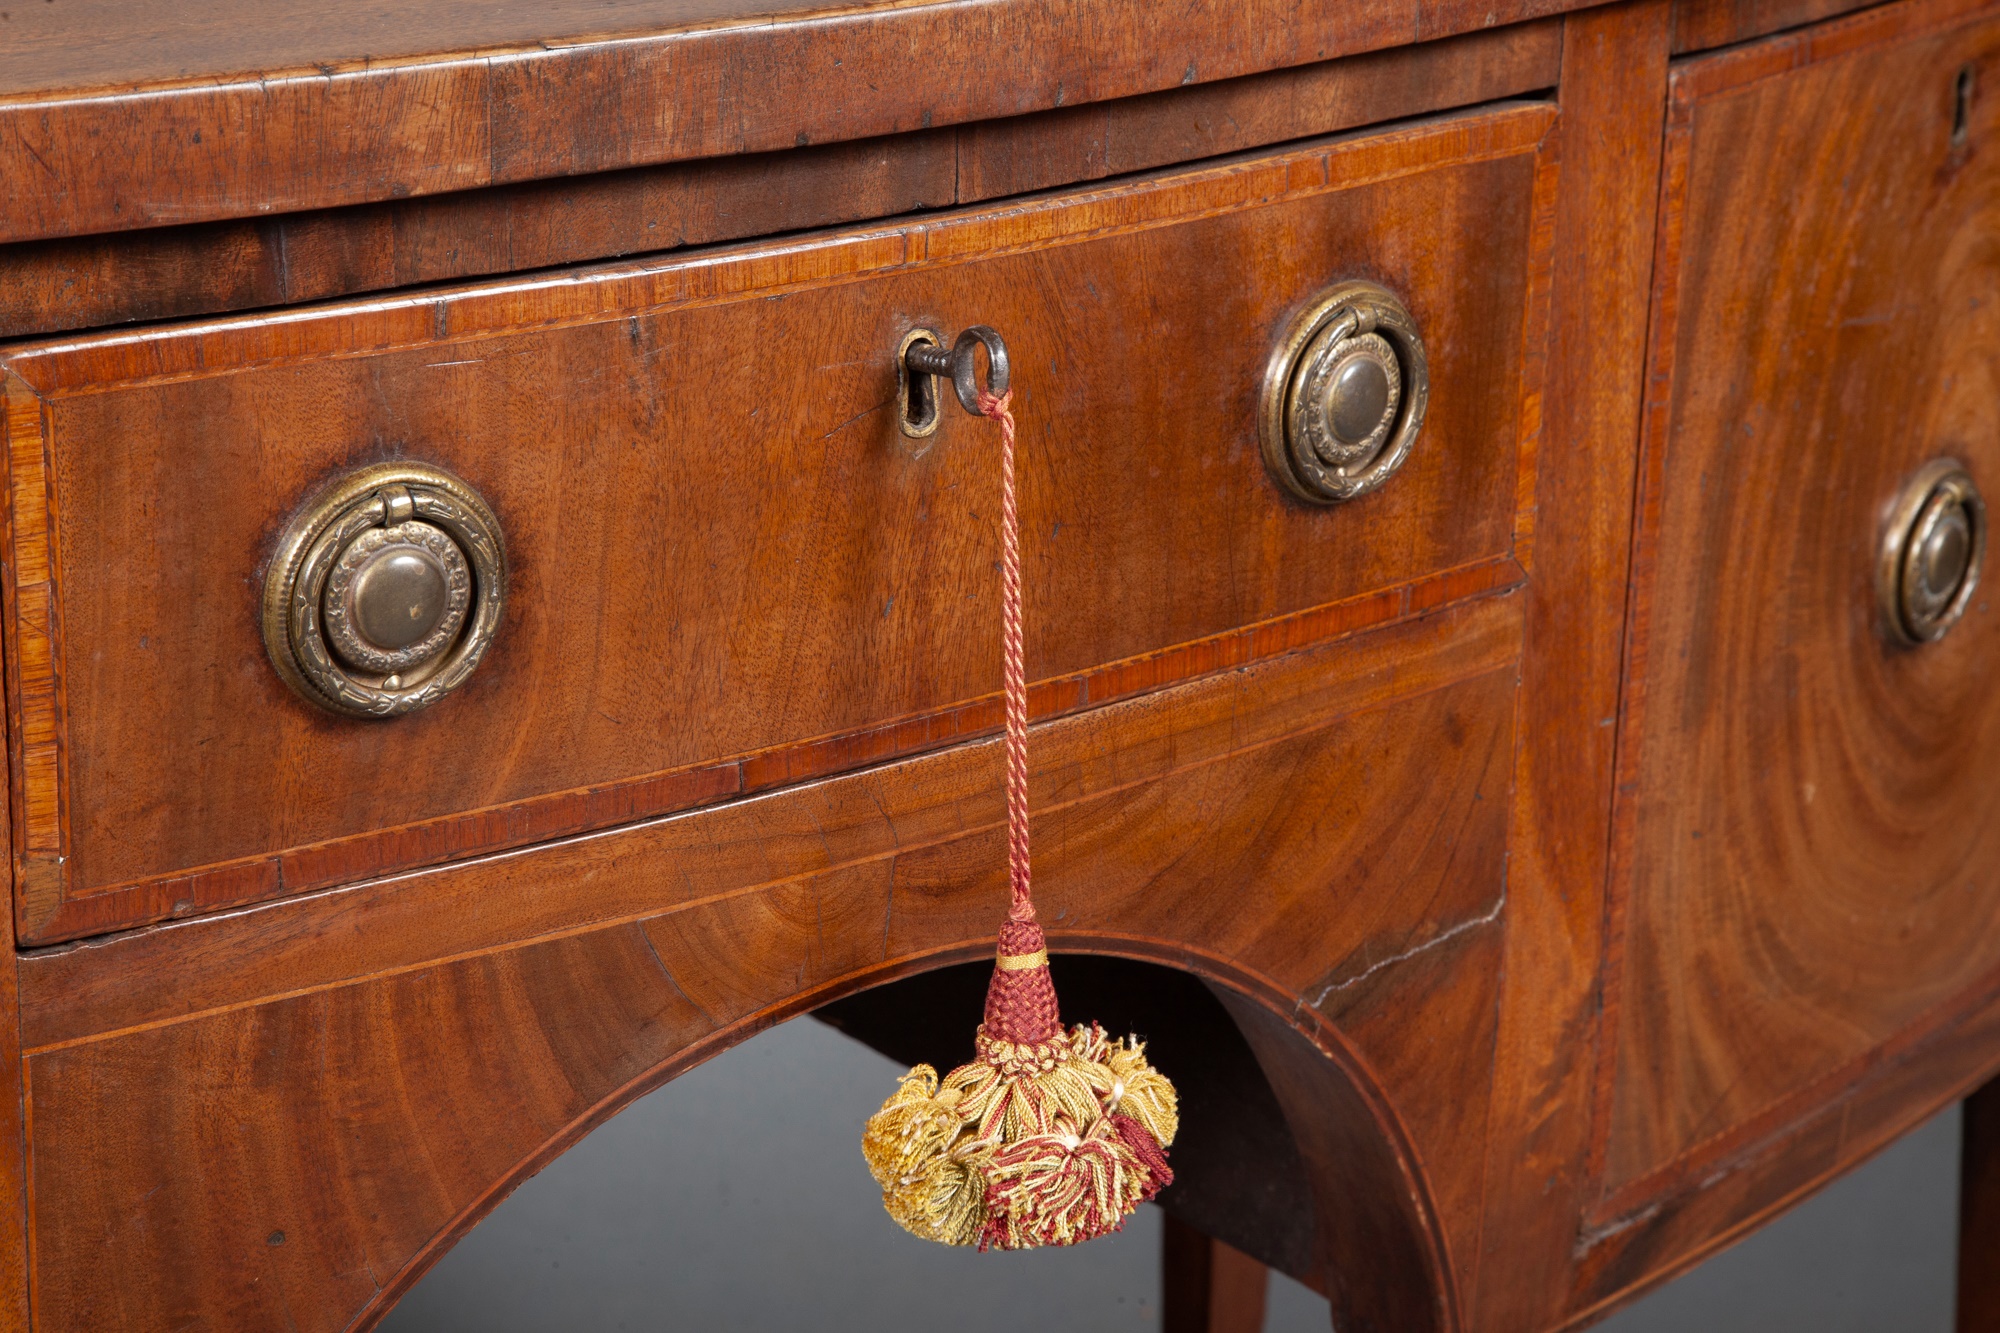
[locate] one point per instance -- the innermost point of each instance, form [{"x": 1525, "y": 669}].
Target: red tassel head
[
  {"x": 1021, "y": 998},
  {"x": 1046, "y": 1137}
]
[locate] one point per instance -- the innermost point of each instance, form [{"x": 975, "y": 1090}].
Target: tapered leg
[
  {"x": 1979, "y": 1214},
  {"x": 1206, "y": 1286}
]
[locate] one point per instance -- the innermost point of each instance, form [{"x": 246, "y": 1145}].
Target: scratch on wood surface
[{"x": 1487, "y": 919}]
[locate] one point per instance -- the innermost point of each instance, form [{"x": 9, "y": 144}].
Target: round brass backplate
[
  {"x": 1933, "y": 543},
  {"x": 396, "y": 598},
  {"x": 1344, "y": 395},
  {"x": 385, "y": 591}
]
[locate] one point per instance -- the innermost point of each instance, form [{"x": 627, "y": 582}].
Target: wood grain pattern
[
  {"x": 1378, "y": 1203},
  {"x": 369, "y": 1123},
  {"x": 1796, "y": 794},
  {"x": 711, "y": 561},
  {"x": 169, "y": 972},
  {"x": 1020, "y": 154},
  {"x": 1538, "y": 1171},
  {"x": 14, "y": 1265},
  {"x": 211, "y": 268},
  {"x": 1460, "y": 977},
  {"x": 34, "y": 710},
  {"x": 781, "y": 266},
  {"x": 277, "y": 114},
  {"x": 1586, "y": 878},
  {"x": 1909, "y": 1081},
  {"x": 78, "y": 282},
  {"x": 1703, "y": 25}
]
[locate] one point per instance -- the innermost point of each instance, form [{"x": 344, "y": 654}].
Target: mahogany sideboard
[{"x": 493, "y": 618}]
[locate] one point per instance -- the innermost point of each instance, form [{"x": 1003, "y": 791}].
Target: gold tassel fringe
[{"x": 1023, "y": 1147}]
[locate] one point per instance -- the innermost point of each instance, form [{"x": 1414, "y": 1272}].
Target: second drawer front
[{"x": 729, "y": 567}]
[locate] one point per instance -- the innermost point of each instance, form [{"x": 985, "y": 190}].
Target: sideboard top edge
[{"x": 207, "y": 118}]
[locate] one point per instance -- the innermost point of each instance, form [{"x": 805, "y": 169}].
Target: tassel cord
[
  {"x": 1047, "y": 1137},
  {"x": 1021, "y": 906}
]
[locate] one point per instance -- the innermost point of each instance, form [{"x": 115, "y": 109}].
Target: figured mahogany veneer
[
  {"x": 1262, "y": 816},
  {"x": 136, "y": 113},
  {"x": 731, "y": 571},
  {"x": 1805, "y": 790},
  {"x": 1808, "y": 876},
  {"x": 77, "y": 282},
  {"x": 1570, "y": 872}
]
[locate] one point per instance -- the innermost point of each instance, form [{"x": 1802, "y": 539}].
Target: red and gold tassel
[{"x": 1049, "y": 1136}]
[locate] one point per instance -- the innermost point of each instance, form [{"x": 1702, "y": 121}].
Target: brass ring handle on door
[
  {"x": 385, "y": 591},
  {"x": 1345, "y": 394},
  {"x": 1932, "y": 548}
]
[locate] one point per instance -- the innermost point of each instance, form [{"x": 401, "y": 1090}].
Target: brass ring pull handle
[
  {"x": 1932, "y": 547},
  {"x": 922, "y": 357},
  {"x": 1345, "y": 394},
  {"x": 385, "y": 591}
]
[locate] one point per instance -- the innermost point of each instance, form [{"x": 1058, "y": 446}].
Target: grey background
[{"x": 735, "y": 1198}]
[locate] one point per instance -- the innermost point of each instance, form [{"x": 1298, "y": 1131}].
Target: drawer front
[
  {"x": 1331, "y": 824},
  {"x": 729, "y": 568},
  {"x": 1810, "y": 809}
]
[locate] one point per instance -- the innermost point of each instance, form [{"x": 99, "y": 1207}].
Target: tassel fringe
[
  {"x": 1031, "y": 1144},
  {"x": 1048, "y": 1137}
]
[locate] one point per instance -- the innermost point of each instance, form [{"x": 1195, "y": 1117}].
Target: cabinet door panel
[{"x": 1809, "y": 819}]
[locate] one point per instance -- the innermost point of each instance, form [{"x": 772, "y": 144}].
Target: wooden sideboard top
[
  {"x": 123, "y": 114},
  {"x": 136, "y": 113},
  {"x": 63, "y": 47}
]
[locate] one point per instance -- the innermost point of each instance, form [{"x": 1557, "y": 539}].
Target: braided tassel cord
[{"x": 1048, "y": 1137}]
